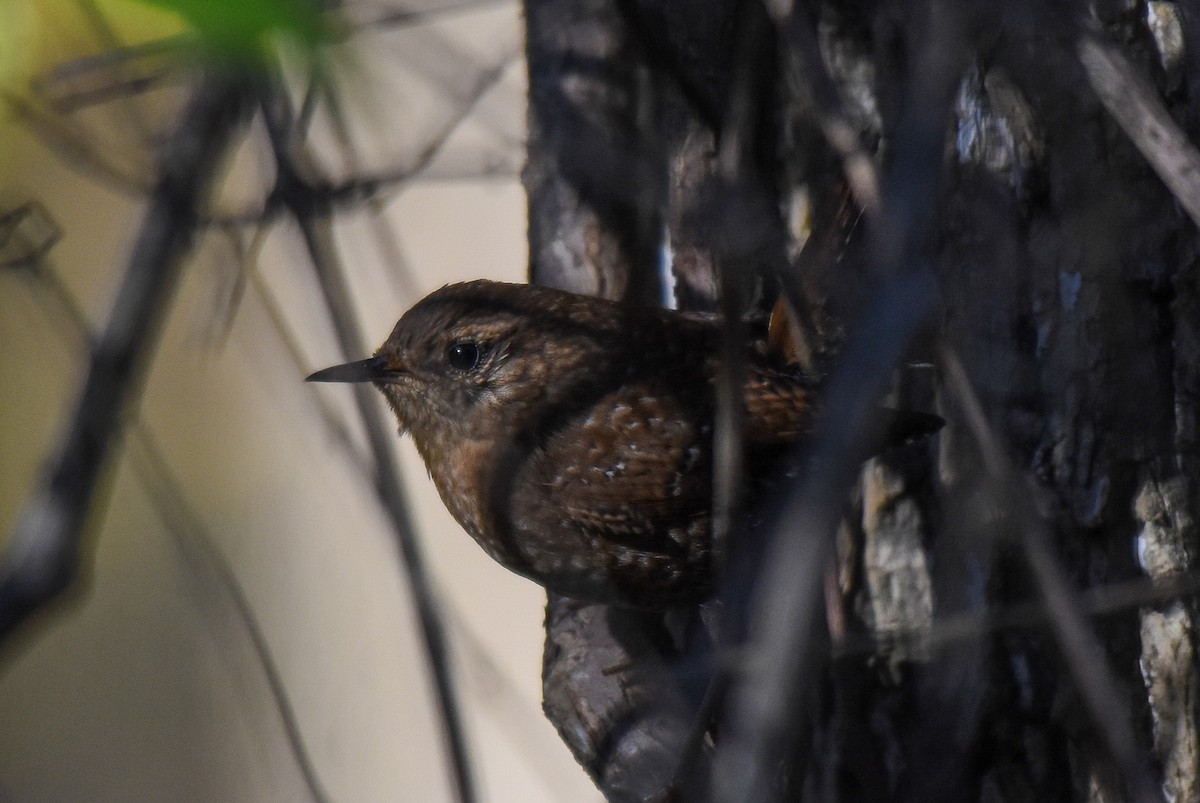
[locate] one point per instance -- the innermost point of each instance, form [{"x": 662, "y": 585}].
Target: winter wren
[{"x": 572, "y": 436}]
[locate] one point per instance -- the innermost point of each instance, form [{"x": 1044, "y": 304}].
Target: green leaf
[{"x": 245, "y": 28}]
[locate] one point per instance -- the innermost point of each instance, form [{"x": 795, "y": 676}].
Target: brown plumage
[{"x": 572, "y": 436}]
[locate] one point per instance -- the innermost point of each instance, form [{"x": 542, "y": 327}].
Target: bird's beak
[{"x": 372, "y": 369}]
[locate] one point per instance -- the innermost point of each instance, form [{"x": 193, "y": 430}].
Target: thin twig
[
  {"x": 735, "y": 170},
  {"x": 476, "y": 662},
  {"x": 411, "y": 17},
  {"x": 291, "y": 346},
  {"x": 312, "y": 215},
  {"x": 1137, "y": 109},
  {"x": 385, "y": 235},
  {"x": 245, "y": 267},
  {"x": 368, "y": 187},
  {"x": 946, "y": 631},
  {"x": 75, "y": 148},
  {"x": 194, "y": 540},
  {"x": 858, "y": 166},
  {"x": 43, "y": 556},
  {"x": 769, "y": 700},
  {"x": 374, "y": 188},
  {"x": 187, "y": 529},
  {"x": 122, "y": 83},
  {"x": 1081, "y": 650}
]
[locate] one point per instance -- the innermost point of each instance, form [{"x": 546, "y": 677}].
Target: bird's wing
[
  {"x": 780, "y": 406},
  {"x": 634, "y": 470}
]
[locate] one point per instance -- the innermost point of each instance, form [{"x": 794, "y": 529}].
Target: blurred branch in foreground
[{"x": 43, "y": 556}]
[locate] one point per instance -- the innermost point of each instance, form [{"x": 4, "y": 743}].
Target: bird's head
[{"x": 473, "y": 361}]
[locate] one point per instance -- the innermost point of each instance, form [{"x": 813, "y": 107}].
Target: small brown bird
[{"x": 572, "y": 436}]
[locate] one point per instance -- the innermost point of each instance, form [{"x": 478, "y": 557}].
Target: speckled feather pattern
[{"x": 578, "y": 451}]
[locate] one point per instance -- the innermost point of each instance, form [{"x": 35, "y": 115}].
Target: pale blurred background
[{"x": 145, "y": 686}]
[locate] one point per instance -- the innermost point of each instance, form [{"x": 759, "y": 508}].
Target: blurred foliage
[
  {"x": 44, "y": 38},
  {"x": 245, "y": 29},
  {"x": 36, "y": 35}
]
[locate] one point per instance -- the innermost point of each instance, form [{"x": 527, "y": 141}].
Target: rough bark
[
  {"x": 1062, "y": 355},
  {"x": 597, "y": 179}
]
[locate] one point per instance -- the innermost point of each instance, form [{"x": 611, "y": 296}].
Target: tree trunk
[{"x": 1006, "y": 611}]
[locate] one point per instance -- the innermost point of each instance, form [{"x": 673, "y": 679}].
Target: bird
[{"x": 572, "y": 436}]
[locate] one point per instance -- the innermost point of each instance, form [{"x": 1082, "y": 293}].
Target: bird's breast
[{"x": 464, "y": 475}]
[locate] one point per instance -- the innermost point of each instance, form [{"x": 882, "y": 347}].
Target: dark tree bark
[{"x": 1038, "y": 166}]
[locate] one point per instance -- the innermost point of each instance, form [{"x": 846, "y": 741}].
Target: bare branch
[
  {"x": 186, "y": 527},
  {"x": 858, "y": 165},
  {"x": 771, "y": 699},
  {"x": 368, "y": 187},
  {"x": 770, "y": 694},
  {"x": 27, "y": 233},
  {"x": 403, "y": 15},
  {"x": 75, "y": 147},
  {"x": 197, "y": 544},
  {"x": 373, "y": 188},
  {"x": 946, "y": 631},
  {"x": 1080, "y": 648},
  {"x": 43, "y": 556},
  {"x": 1137, "y": 109},
  {"x": 312, "y": 213}
]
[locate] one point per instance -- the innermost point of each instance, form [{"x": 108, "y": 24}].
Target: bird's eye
[{"x": 464, "y": 355}]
